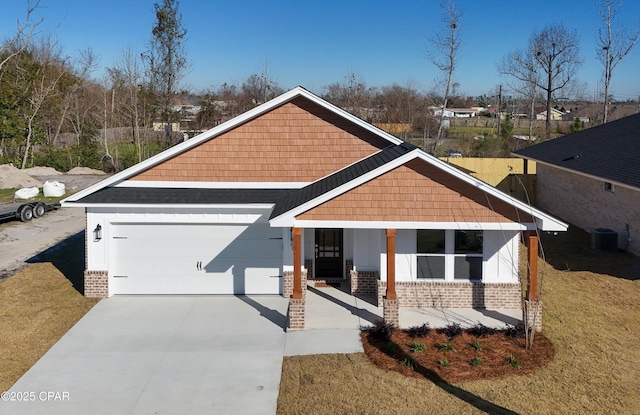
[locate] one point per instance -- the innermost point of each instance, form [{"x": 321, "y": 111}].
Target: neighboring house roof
[
  {"x": 610, "y": 152},
  {"x": 195, "y": 173}
]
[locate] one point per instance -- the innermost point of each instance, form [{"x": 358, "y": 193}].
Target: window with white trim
[
  {"x": 431, "y": 253},
  {"x": 468, "y": 255},
  {"x": 449, "y": 255}
]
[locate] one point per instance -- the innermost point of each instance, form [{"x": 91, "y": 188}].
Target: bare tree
[
  {"x": 24, "y": 34},
  {"x": 614, "y": 44},
  {"x": 259, "y": 88},
  {"x": 551, "y": 60},
  {"x": 166, "y": 57},
  {"x": 443, "y": 53},
  {"x": 352, "y": 95},
  {"x": 39, "y": 84},
  {"x": 556, "y": 52},
  {"x": 77, "y": 77},
  {"x": 125, "y": 79},
  {"x": 521, "y": 66}
]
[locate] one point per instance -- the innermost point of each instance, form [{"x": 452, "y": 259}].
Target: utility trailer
[{"x": 25, "y": 211}]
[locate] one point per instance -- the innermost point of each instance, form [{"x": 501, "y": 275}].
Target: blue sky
[{"x": 316, "y": 43}]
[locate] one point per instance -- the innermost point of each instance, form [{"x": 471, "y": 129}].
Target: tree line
[{"x": 52, "y": 112}]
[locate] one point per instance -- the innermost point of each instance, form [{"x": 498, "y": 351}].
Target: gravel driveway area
[{"x": 23, "y": 240}]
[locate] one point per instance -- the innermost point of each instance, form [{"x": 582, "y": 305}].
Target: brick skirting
[
  {"x": 463, "y": 294},
  {"x": 96, "y": 284},
  {"x": 364, "y": 283}
]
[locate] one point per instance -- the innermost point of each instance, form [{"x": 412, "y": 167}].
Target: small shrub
[
  {"x": 417, "y": 347},
  {"x": 419, "y": 331},
  {"x": 382, "y": 330},
  {"x": 408, "y": 362},
  {"x": 390, "y": 348},
  {"x": 447, "y": 347},
  {"x": 476, "y": 361},
  {"x": 452, "y": 330},
  {"x": 480, "y": 330},
  {"x": 514, "y": 330},
  {"x": 513, "y": 362},
  {"x": 477, "y": 346},
  {"x": 444, "y": 363}
]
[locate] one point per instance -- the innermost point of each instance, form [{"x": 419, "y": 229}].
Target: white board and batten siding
[{"x": 188, "y": 252}]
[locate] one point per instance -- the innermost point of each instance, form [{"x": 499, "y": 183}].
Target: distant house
[
  {"x": 556, "y": 115},
  {"x": 163, "y": 126},
  {"x": 456, "y": 112},
  {"x": 592, "y": 178}
]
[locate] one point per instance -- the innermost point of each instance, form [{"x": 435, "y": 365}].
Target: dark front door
[{"x": 328, "y": 253}]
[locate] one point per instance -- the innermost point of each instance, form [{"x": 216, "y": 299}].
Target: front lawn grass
[
  {"x": 38, "y": 306},
  {"x": 591, "y": 314}
]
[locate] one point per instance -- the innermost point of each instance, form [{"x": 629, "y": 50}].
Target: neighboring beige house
[{"x": 592, "y": 178}]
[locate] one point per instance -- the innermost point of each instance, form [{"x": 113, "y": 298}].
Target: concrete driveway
[{"x": 161, "y": 355}]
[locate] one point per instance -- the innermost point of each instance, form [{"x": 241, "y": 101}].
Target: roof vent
[{"x": 604, "y": 240}]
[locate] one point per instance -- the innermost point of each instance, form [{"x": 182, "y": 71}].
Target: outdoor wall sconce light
[{"x": 97, "y": 233}]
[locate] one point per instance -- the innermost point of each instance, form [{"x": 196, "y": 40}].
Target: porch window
[
  {"x": 431, "y": 253},
  {"x": 468, "y": 255},
  {"x": 449, "y": 255}
]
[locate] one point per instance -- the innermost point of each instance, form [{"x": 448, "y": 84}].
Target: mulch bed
[{"x": 496, "y": 350}]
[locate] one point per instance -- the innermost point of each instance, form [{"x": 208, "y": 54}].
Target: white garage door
[{"x": 195, "y": 259}]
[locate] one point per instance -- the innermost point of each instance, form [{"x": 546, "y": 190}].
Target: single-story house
[
  {"x": 591, "y": 178},
  {"x": 298, "y": 189},
  {"x": 556, "y": 115},
  {"x": 456, "y": 112}
]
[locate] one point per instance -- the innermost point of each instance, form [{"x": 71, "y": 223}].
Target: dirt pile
[
  {"x": 14, "y": 178},
  {"x": 85, "y": 170},
  {"x": 41, "y": 171}
]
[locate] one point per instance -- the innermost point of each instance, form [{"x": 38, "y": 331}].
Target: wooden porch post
[
  {"x": 391, "y": 265},
  {"x": 390, "y": 312},
  {"x": 532, "y": 244},
  {"x": 297, "y": 263}
]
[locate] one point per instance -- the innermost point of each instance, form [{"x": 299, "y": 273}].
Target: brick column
[
  {"x": 390, "y": 312},
  {"x": 296, "y": 314},
  {"x": 532, "y": 314},
  {"x": 532, "y": 246}
]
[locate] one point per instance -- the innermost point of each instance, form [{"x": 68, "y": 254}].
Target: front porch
[
  {"x": 437, "y": 303},
  {"x": 332, "y": 308}
]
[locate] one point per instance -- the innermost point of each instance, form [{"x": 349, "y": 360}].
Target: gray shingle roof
[
  {"x": 609, "y": 151},
  {"x": 154, "y": 195}
]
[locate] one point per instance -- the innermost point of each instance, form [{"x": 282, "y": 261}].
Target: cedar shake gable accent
[
  {"x": 299, "y": 141},
  {"x": 341, "y": 177},
  {"x": 416, "y": 192}
]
